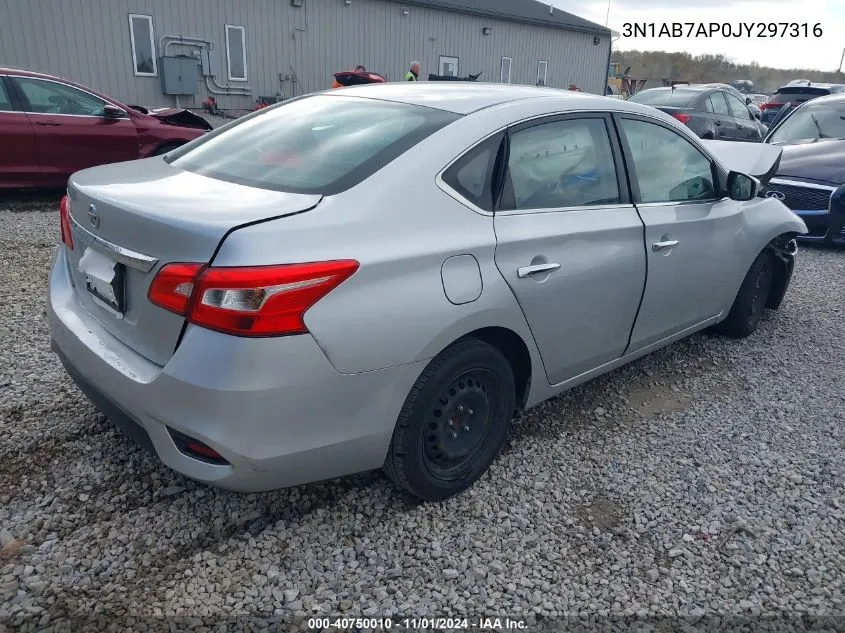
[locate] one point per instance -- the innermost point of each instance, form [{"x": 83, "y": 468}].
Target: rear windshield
[
  {"x": 798, "y": 93},
  {"x": 679, "y": 98},
  {"x": 811, "y": 122},
  {"x": 317, "y": 145}
]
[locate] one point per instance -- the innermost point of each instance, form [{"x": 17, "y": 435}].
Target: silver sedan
[{"x": 381, "y": 276}]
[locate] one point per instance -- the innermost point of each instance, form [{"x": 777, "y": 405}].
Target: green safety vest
[{"x": 409, "y": 76}]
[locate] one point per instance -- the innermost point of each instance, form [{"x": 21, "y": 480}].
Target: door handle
[
  {"x": 527, "y": 271},
  {"x": 45, "y": 123},
  {"x": 659, "y": 246}
]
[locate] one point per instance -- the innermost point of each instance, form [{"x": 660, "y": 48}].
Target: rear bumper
[{"x": 275, "y": 409}]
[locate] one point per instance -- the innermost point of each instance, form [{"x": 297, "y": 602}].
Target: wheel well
[
  {"x": 168, "y": 146},
  {"x": 783, "y": 271},
  {"x": 513, "y": 347}
]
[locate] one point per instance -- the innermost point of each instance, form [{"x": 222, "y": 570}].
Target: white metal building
[{"x": 162, "y": 52}]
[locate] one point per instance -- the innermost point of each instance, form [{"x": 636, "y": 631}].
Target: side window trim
[
  {"x": 718, "y": 178},
  {"x": 26, "y": 106},
  {"x": 506, "y": 204}
]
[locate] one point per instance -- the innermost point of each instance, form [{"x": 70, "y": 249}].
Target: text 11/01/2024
[{"x": 722, "y": 29}]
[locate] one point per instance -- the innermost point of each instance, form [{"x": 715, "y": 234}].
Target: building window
[
  {"x": 448, "y": 66},
  {"x": 236, "y": 52},
  {"x": 143, "y": 45},
  {"x": 506, "y": 70},
  {"x": 542, "y": 72}
]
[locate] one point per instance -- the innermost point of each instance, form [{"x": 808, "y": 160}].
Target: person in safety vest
[{"x": 414, "y": 73}]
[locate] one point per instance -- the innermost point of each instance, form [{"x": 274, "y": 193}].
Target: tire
[
  {"x": 167, "y": 147},
  {"x": 454, "y": 421},
  {"x": 750, "y": 302}
]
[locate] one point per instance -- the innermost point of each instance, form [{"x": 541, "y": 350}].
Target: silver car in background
[{"x": 381, "y": 276}]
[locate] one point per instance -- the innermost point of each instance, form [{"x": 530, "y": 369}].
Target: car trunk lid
[{"x": 129, "y": 219}]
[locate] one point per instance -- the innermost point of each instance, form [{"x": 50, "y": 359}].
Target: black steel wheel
[
  {"x": 454, "y": 421},
  {"x": 750, "y": 302}
]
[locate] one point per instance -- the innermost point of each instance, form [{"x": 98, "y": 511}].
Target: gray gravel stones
[{"x": 712, "y": 481}]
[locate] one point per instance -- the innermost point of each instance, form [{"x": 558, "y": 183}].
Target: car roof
[
  {"x": 468, "y": 97},
  {"x": 29, "y": 73}
]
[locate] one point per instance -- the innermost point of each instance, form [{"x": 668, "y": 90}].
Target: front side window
[
  {"x": 322, "y": 144},
  {"x": 49, "y": 97},
  {"x": 506, "y": 70},
  {"x": 236, "y": 52},
  {"x": 448, "y": 66},
  {"x": 142, "y": 39},
  {"x": 738, "y": 108},
  {"x": 559, "y": 164},
  {"x": 667, "y": 167}
]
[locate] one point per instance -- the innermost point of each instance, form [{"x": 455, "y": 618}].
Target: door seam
[{"x": 645, "y": 283}]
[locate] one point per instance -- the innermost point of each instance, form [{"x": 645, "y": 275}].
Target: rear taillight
[
  {"x": 173, "y": 285},
  {"x": 682, "y": 117},
  {"x": 64, "y": 222},
  {"x": 769, "y": 105},
  {"x": 250, "y": 301}
]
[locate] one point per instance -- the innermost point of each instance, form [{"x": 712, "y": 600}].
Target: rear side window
[
  {"x": 472, "y": 174},
  {"x": 559, "y": 164},
  {"x": 316, "y": 145}
]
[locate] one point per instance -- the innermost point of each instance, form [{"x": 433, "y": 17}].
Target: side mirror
[
  {"x": 113, "y": 112},
  {"x": 742, "y": 187},
  {"x": 748, "y": 100}
]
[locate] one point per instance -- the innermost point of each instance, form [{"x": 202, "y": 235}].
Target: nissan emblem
[{"x": 94, "y": 216}]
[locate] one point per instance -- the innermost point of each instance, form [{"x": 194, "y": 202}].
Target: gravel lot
[{"x": 706, "y": 478}]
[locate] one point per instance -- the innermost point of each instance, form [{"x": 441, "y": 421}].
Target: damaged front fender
[{"x": 176, "y": 116}]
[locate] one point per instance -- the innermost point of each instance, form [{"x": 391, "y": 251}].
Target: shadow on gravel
[
  {"x": 31, "y": 200},
  {"x": 627, "y": 394}
]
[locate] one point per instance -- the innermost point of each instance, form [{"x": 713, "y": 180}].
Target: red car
[{"x": 51, "y": 127}]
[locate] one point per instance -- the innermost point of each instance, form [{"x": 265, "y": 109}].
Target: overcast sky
[{"x": 822, "y": 53}]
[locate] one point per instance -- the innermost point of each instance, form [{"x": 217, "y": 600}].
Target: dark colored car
[
  {"x": 51, "y": 128},
  {"x": 712, "y": 113},
  {"x": 746, "y": 98},
  {"x": 811, "y": 177},
  {"x": 793, "y": 95}
]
